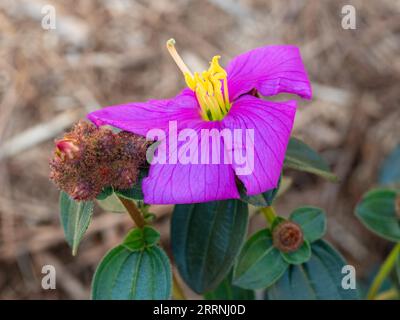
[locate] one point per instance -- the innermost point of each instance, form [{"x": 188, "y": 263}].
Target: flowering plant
[{"x": 215, "y": 150}]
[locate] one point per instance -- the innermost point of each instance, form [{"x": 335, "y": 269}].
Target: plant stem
[
  {"x": 269, "y": 214},
  {"x": 177, "y": 292},
  {"x": 384, "y": 271},
  {"x": 390, "y": 294},
  {"x": 133, "y": 211}
]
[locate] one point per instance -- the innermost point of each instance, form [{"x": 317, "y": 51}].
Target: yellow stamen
[
  {"x": 177, "y": 58},
  {"x": 207, "y": 86}
]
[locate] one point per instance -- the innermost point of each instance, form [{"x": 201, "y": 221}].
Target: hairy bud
[
  {"x": 287, "y": 236},
  {"x": 88, "y": 159},
  {"x": 66, "y": 148}
]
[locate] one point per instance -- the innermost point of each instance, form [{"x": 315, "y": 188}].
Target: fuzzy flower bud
[
  {"x": 287, "y": 236},
  {"x": 66, "y": 148},
  {"x": 88, "y": 159}
]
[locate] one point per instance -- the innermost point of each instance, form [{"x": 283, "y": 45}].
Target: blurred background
[{"x": 110, "y": 52}]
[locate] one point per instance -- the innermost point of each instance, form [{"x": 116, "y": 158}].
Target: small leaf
[
  {"x": 301, "y": 157},
  {"x": 377, "y": 211},
  {"x": 138, "y": 238},
  {"x": 133, "y": 275},
  {"x": 301, "y": 255},
  {"x": 259, "y": 264},
  {"x": 318, "y": 279},
  {"x": 105, "y": 193},
  {"x": 134, "y": 193},
  {"x": 264, "y": 199},
  {"x": 111, "y": 204},
  {"x": 227, "y": 291},
  {"x": 312, "y": 221},
  {"x": 75, "y": 219},
  {"x": 390, "y": 170},
  {"x": 206, "y": 238}
]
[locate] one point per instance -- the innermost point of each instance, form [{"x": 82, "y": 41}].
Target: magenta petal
[
  {"x": 140, "y": 117},
  {"x": 270, "y": 70},
  {"x": 190, "y": 183},
  {"x": 272, "y": 123}
]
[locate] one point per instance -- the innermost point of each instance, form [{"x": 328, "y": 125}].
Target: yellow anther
[
  {"x": 214, "y": 103},
  {"x": 190, "y": 81}
]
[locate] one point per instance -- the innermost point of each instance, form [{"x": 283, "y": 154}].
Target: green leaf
[
  {"x": 138, "y": 238},
  {"x": 133, "y": 275},
  {"x": 301, "y": 157},
  {"x": 111, "y": 204},
  {"x": 206, "y": 238},
  {"x": 227, "y": 291},
  {"x": 259, "y": 264},
  {"x": 312, "y": 221},
  {"x": 75, "y": 219},
  {"x": 390, "y": 170},
  {"x": 377, "y": 211},
  {"x": 299, "y": 256},
  {"x": 264, "y": 199},
  {"x": 318, "y": 279},
  {"x": 105, "y": 193}
]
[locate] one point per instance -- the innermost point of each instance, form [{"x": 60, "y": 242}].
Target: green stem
[
  {"x": 269, "y": 214},
  {"x": 133, "y": 211},
  {"x": 390, "y": 294},
  {"x": 384, "y": 271}
]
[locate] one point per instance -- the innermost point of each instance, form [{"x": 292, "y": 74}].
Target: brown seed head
[
  {"x": 287, "y": 236},
  {"x": 88, "y": 158}
]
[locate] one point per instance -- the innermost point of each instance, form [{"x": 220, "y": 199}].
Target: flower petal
[
  {"x": 140, "y": 117},
  {"x": 270, "y": 70},
  {"x": 271, "y": 123},
  {"x": 190, "y": 183}
]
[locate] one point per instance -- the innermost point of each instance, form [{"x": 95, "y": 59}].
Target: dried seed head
[
  {"x": 287, "y": 236},
  {"x": 88, "y": 159}
]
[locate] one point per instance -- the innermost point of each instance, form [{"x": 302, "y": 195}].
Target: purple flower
[{"x": 219, "y": 99}]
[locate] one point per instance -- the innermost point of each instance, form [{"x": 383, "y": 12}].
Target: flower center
[{"x": 210, "y": 87}]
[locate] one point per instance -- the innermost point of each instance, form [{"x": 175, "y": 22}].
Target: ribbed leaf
[
  {"x": 133, "y": 275},
  {"x": 227, "y": 291},
  {"x": 206, "y": 238},
  {"x": 299, "y": 256},
  {"x": 312, "y": 221},
  {"x": 138, "y": 238},
  {"x": 259, "y": 264},
  {"x": 319, "y": 278},
  {"x": 301, "y": 157},
  {"x": 75, "y": 219},
  {"x": 377, "y": 211}
]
